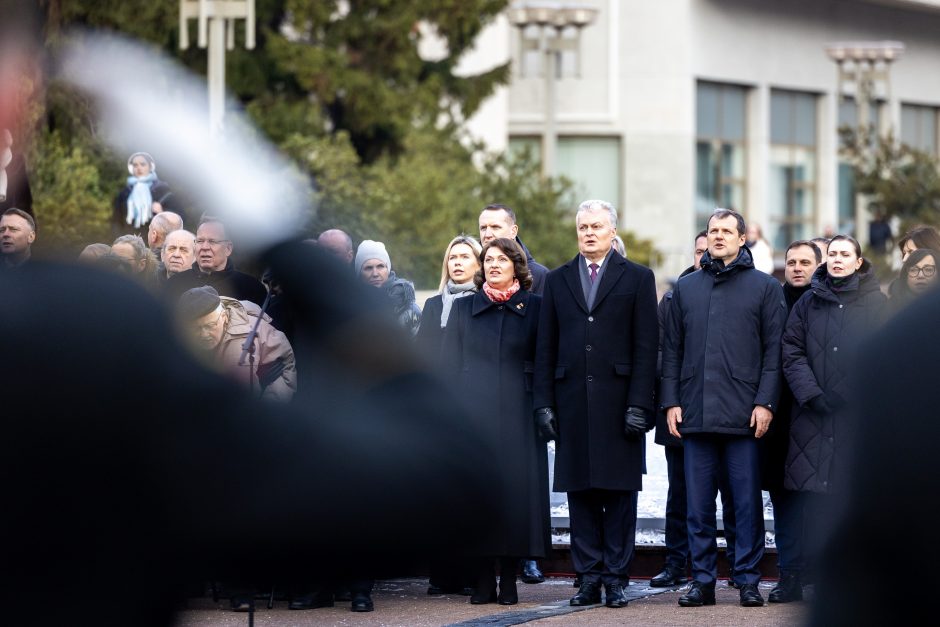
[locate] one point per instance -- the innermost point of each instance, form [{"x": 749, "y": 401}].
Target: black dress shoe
[
  {"x": 698, "y": 595},
  {"x": 615, "y": 596},
  {"x": 750, "y": 596},
  {"x": 508, "y": 595},
  {"x": 588, "y": 594},
  {"x": 311, "y": 601},
  {"x": 668, "y": 578},
  {"x": 788, "y": 589},
  {"x": 531, "y": 572},
  {"x": 481, "y": 597},
  {"x": 362, "y": 602}
]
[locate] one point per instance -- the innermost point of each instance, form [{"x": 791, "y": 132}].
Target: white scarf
[
  {"x": 453, "y": 291},
  {"x": 6, "y": 156}
]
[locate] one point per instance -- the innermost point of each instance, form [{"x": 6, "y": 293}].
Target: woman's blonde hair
[{"x": 460, "y": 239}]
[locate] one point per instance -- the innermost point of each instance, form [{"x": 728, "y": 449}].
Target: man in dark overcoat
[
  {"x": 595, "y": 370},
  {"x": 721, "y": 382}
]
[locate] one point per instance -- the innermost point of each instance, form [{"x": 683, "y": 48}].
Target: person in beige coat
[{"x": 218, "y": 327}]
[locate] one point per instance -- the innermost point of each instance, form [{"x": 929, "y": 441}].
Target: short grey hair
[
  {"x": 598, "y": 205},
  {"x": 166, "y": 222}
]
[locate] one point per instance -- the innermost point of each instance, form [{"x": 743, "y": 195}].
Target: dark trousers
[
  {"x": 705, "y": 455},
  {"x": 789, "y": 521},
  {"x": 677, "y": 529},
  {"x": 603, "y": 534}
]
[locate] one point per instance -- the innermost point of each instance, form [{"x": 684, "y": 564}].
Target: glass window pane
[
  {"x": 518, "y": 145},
  {"x": 804, "y": 119},
  {"x": 706, "y": 110},
  {"x": 929, "y": 131},
  {"x": 848, "y": 112},
  {"x": 781, "y": 127},
  {"x": 910, "y": 131},
  {"x": 732, "y": 161},
  {"x": 706, "y": 183},
  {"x": 846, "y": 198},
  {"x": 733, "y": 104},
  {"x": 593, "y": 163}
]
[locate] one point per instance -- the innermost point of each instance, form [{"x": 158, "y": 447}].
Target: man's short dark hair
[
  {"x": 498, "y": 207},
  {"x": 702, "y": 233},
  {"x": 13, "y": 211},
  {"x": 721, "y": 214},
  {"x": 806, "y": 242}
]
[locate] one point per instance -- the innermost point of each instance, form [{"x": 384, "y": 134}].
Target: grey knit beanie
[{"x": 370, "y": 249}]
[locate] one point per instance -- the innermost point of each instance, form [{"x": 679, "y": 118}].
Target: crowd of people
[{"x": 747, "y": 381}]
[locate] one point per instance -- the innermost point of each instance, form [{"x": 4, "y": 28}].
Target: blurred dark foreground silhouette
[{"x": 129, "y": 471}]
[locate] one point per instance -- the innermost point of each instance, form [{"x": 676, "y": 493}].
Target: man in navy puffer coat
[{"x": 721, "y": 383}]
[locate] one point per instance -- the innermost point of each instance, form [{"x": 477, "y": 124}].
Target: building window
[
  {"x": 792, "y": 198},
  {"x": 592, "y": 164},
  {"x": 919, "y": 128},
  {"x": 720, "y": 152},
  {"x": 848, "y": 116}
]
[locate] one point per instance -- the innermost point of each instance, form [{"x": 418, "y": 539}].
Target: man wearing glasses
[{"x": 214, "y": 268}]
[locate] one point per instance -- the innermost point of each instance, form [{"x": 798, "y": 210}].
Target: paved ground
[{"x": 404, "y": 602}]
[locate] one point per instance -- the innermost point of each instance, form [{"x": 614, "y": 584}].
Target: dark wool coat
[
  {"x": 773, "y": 445},
  {"x": 663, "y": 436},
  {"x": 721, "y": 350},
  {"x": 489, "y": 348},
  {"x": 819, "y": 352},
  {"x": 539, "y": 272},
  {"x": 593, "y": 364},
  {"x": 227, "y": 282},
  {"x": 430, "y": 334}
]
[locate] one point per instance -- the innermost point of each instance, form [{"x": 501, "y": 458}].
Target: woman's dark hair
[
  {"x": 923, "y": 237},
  {"x": 512, "y": 250},
  {"x": 913, "y": 259},
  {"x": 849, "y": 239}
]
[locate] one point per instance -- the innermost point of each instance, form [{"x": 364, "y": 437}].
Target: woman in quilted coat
[{"x": 820, "y": 340}]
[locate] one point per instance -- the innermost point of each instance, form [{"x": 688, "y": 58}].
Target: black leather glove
[
  {"x": 268, "y": 373},
  {"x": 634, "y": 423},
  {"x": 547, "y": 423},
  {"x": 819, "y": 405}
]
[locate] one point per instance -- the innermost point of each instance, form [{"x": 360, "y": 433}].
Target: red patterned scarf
[{"x": 501, "y": 296}]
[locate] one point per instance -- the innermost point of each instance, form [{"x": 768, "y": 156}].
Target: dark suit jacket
[{"x": 591, "y": 365}]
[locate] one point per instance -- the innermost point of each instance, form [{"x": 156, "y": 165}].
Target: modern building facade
[{"x": 685, "y": 105}]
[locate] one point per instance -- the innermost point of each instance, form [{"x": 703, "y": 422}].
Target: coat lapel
[
  {"x": 611, "y": 275},
  {"x": 573, "y": 279}
]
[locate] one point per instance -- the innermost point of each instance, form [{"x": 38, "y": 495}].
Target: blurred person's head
[
  {"x": 822, "y": 243},
  {"x": 503, "y": 263},
  {"x": 802, "y": 259},
  {"x": 461, "y": 261},
  {"x": 596, "y": 222},
  {"x": 161, "y": 224},
  {"x": 726, "y": 233},
  {"x": 921, "y": 236},
  {"x": 203, "y": 316},
  {"x": 140, "y": 164},
  {"x": 497, "y": 221},
  {"x": 93, "y": 252},
  {"x": 213, "y": 248},
  {"x": 619, "y": 246},
  {"x": 338, "y": 243},
  {"x": 754, "y": 233},
  {"x": 179, "y": 251},
  {"x": 845, "y": 256},
  {"x": 135, "y": 253},
  {"x": 17, "y": 234},
  {"x": 701, "y": 247},
  {"x": 919, "y": 270},
  {"x": 373, "y": 265}
]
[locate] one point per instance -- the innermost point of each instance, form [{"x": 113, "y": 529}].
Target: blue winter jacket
[{"x": 721, "y": 347}]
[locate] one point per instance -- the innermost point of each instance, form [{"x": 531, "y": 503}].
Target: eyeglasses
[
  {"x": 211, "y": 242},
  {"x": 927, "y": 271},
  {"x": 208, "y": 327}
]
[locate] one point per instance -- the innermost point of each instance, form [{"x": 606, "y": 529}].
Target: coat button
[
  {"x": 590, "y": 318},
  {"x": 590, "y": 378},
  {"x": 500, "y": 307},
  {"x": 840, "y": 306},
  {"x": 835, "y": 349},
  {"x": 588, "y": 347}
]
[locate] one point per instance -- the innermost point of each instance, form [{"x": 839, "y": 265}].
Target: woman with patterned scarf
[
  {"x": 144, "y": 197},
  {"x": 489, "y": 349}
]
